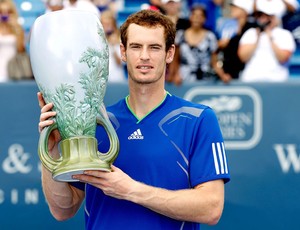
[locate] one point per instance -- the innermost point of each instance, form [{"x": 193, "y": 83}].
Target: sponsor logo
[
  {"x": 136, "y": 135},
  {"x": 288, "y": 157},
  {"x": 239, "y": 111},
  {"x": 17, "y": 161}
]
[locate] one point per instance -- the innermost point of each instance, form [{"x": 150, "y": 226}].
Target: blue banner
[{"x": 260, "y": 125}]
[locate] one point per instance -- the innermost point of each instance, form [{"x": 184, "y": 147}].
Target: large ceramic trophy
[{"x": 69, "y": 56}]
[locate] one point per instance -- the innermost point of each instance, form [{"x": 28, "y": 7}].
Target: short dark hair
[
  {"x": 151, "y": 19},
  {"x": 199, "y": 6}
]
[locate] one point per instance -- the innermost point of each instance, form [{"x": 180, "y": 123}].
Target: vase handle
[
  {"x": 112, "y": 153},
  {"x": 49, "y": 162}
]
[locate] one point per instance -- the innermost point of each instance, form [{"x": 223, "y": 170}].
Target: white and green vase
[{"x": 69, "y": 57}]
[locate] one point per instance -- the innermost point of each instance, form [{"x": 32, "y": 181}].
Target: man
[
  {"x": 266, "y": 50},
  {"x": 171, "y": 168},
  {"x": 230, "y": 33}
]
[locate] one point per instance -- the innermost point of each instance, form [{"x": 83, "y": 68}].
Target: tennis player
[{"x": 171, "y": 168}]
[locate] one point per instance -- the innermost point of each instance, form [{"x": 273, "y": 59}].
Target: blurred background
[{"x": 259, "y": 121}]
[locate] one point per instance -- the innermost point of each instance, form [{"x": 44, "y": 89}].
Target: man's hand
[
  {"x": 116, "y": 183},
  {"x": 45, "y": 120}
]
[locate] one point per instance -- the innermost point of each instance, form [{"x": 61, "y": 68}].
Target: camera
[
  {"x": 257, "y": 24},
  {"x": 262, "y": 26}
]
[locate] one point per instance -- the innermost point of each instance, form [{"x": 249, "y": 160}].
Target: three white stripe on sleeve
[{"x": 219, "y": 158}]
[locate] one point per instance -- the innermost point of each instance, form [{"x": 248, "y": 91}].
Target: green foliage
[{"x": 81, "y": 120}]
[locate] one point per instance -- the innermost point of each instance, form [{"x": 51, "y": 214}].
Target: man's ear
[
  {"x": 170, "y": 54},
  {"x": 123, "y": 52}
]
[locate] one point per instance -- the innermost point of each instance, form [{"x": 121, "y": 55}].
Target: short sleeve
[
  {"x": 284, "y": 40},
  {"x": 208, "y": 156},
  {"x": 78, "y": 185},
  {"x": 249, "y": 37}
]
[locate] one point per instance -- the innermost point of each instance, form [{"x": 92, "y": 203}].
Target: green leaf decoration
[{"x": 79, "y": 119}]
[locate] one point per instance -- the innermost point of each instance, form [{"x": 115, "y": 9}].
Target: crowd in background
[
  {"x": 215, "y": 40},
  {"x": 12, "y": 39}
]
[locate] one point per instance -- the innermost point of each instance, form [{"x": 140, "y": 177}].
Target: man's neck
[{"x": 144, "y": 98}]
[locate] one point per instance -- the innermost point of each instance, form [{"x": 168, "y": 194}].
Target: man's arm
[
  {"x": 246, "y": 49},
  {"x": 203, "y": 204},
  {"x": 63, "y": 199}
]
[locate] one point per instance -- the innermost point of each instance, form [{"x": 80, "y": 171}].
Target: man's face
[
  {"x": 145, "y": 54},
  {"x": 265, "y": 21}
]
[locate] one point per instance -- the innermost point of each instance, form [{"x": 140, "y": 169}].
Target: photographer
[{"x": 267, "y": 48}]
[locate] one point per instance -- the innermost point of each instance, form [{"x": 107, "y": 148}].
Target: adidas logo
[{"x": 136, "y": 135}]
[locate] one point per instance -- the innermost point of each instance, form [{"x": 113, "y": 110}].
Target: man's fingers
[
  {"x": 46, "y": 112},
  {"x": 46, "y": 108},
  {"x": 44, "y": 119},
  {"x": 41, "y": 100},
  {"x": 44, "y": 124},
  {"x": 46, "y": 115}
]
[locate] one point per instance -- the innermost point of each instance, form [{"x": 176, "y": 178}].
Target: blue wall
[{"x": 260, "y": 124}]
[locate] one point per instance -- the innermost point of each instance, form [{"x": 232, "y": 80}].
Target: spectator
[
  {"x": 214, "y": 7},
  {"x": 266, "y": 49},
  {"x": 156, "y": 5},
  {"x": 116, "y": 67},
  {"x": 291, "y": 22},
  {"x": 280, "y": 7},
  {"x": 86, "y": 5},
  {"x": 230, "y": 34},
  {"x": 196, "y": 50},
  {"x": 172, "y": 9},
  {"x": 11, "y": 36},
  {"x": 112, "y": 5},
  {"x": 53, "y": 5}
]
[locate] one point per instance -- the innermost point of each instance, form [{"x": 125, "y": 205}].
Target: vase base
[{"x": 66, "y": 175}]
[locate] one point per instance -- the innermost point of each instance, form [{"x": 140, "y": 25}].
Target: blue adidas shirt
[{"x": 178, "y": 145}]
